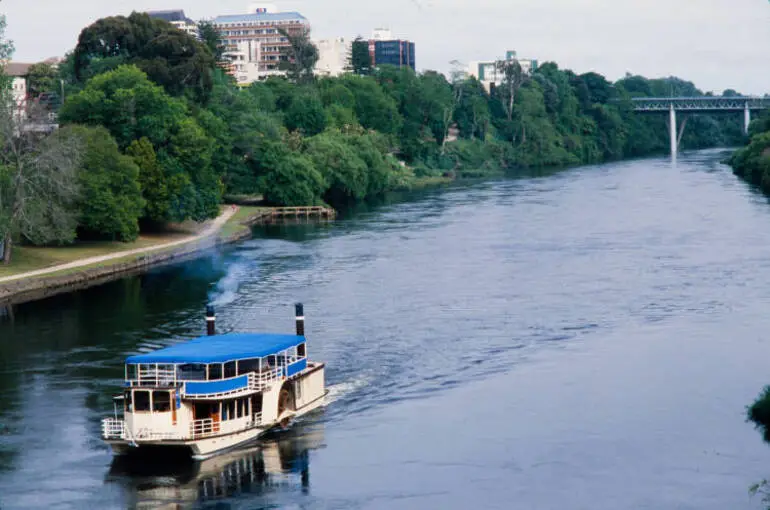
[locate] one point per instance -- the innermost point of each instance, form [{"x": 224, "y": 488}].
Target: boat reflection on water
[{"x": 279, "y": 463}]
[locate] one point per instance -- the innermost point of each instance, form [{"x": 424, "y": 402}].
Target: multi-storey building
[
  {"x": 18, "y": 72},
  {"x": 385, "y": 50},
  {"x": 177, "y": 18},
  {"x": 490, "y": 74},
  {"x": 254, "y": 41},
  {"x": 333, "y": 56},
  {"x": 31, "y": 113}
]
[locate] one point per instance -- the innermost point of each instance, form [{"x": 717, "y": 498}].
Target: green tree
[
  {"x": 306, "y": 114},
  {"x": 373, "y": 108},
  {"x": 209, "y": 36},
  {"x": 472, "y": 113},
  {"x": 343, "y": 170},
  {"x": 299, "y": 58},
  {"x": 513, "y": 78},
  {"x": 171, "y": 58},
  {"x": 6, "y": 52},
  {"x": 42, "y": 78},
  {"x": 38, "y": 188},
  {"x": 37, "y": 174},
  {"x": 131, "y": 108},
  {"x": 152, "y": 181},
  {"x": 293, "y": 181},
  {"x": 110, "y": 202},
  {"x": 360, "y": 59}
]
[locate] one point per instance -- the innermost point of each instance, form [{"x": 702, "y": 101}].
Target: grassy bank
[
  {"x": 34, "y": 258},
  {"x": 238, "y": 223}
]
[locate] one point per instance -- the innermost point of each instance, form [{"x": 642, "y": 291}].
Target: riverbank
[{"x": 232, "y": 225}]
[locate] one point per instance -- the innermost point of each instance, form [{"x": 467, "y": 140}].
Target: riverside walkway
[{"x": 209, "y": 231}]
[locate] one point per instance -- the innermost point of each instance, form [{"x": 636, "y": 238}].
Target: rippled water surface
[{"x": 587, "y": 340}]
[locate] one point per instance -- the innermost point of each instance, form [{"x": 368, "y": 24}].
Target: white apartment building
[
  {"x": 333, "y": 56},
  {"x": 253, "y": 42},
  {"x": 488, "y": 73}
]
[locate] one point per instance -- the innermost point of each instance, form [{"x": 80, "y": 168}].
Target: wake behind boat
[{"x": 216, "y": 392}]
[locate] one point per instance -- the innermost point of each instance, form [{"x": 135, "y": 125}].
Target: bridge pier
[
  {"x": 672, "y": 129},
  {"x": 746, "y": 118}
]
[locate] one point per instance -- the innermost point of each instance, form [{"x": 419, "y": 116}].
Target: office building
[{"x": 384, "y": 49}]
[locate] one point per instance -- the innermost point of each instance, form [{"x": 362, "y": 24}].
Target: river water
[{"x": 587, "y": 339}]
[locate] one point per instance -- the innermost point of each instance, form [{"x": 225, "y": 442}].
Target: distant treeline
[
  {"x": 752, "y": 162},
  {"x": 165, "y": 133}
]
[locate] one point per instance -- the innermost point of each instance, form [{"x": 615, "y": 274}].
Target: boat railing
[
  {"x": 204, "y": 428},
  {"x": 154, "y": 375},
  {"x": 113, "y": 428},
  {"x": 199, "y": 429},
  {"x": 262, "y": 379}
]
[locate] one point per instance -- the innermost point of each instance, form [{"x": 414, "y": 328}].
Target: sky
[{"x": 717, "y": 44}]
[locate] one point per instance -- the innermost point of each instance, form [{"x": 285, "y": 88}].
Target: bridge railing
[{"x": 701, "y": 103}]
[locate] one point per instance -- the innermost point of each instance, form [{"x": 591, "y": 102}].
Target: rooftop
[
  {"x": 170, "y": 15},
  {"x": 264, "y": 16},
  {"x": 17, "y": 68},
  {"x": 219, "y": 349}
]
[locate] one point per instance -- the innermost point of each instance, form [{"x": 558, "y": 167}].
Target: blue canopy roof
[{"x": 219, "y": 349}]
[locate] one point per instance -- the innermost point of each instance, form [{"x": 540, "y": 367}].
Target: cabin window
[
  {"x": 131, "y": 373},
  {"x": 192, "y": 372},
  {"x": 128, "y": 402},
  {"x": 230, "y": 370},
  {"x": 248, "y": 365},
  {"x": 141, "y": 401},
  {"x": 215, "y": 372},
  {"x": 301, "y": 352},
  {"x": 240, "y": 408},
  {"x": 161, "y": 401}
]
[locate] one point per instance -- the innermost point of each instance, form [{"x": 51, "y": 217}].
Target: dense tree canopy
[
  {"x": 110, "y": 201},
  {"x": 133, "y": 108},
  {"x": 171, "y": 58}
]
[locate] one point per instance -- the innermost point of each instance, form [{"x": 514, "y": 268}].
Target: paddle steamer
[{"x": 215, "y": 393}]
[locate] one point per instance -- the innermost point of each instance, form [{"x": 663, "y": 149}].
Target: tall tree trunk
[{"x": 7, "y": 249}]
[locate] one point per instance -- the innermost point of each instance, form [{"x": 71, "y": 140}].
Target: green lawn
[
  {"x": 235, "y": 224},
  {"x": 32, "y": 258}
]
